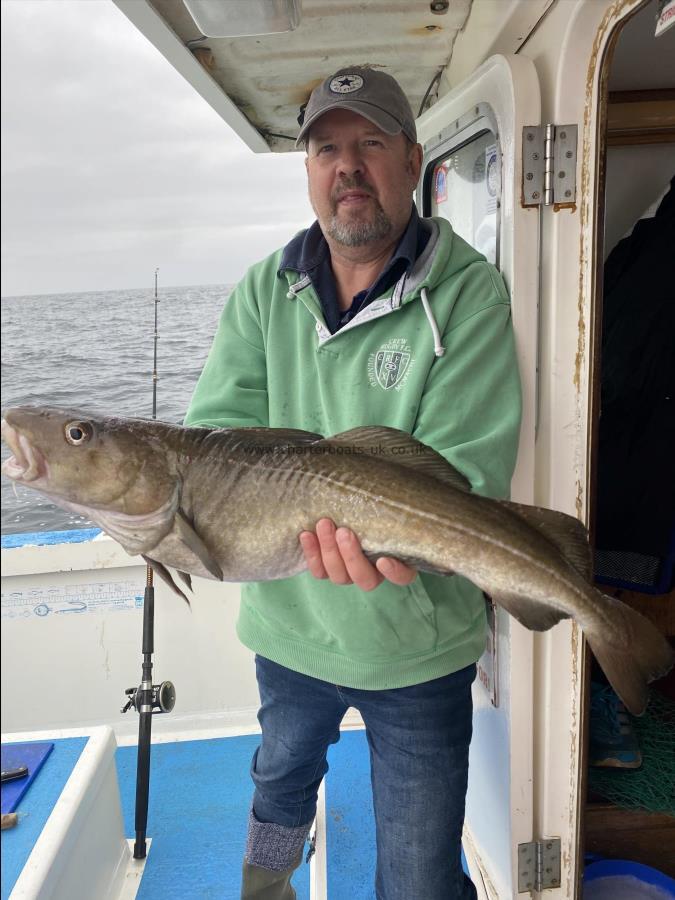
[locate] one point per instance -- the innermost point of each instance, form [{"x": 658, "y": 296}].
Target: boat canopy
[{"x": 258, "y": 82}]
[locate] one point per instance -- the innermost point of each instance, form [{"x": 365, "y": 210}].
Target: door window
[{"x": 463, "y": 185}]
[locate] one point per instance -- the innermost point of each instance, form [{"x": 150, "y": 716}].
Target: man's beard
[{"x": 357, "y": 233}]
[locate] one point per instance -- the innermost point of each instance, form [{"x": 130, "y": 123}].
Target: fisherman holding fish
[
  {"x": 390, "y": 338},
  {"x": 372, "y": 316}
]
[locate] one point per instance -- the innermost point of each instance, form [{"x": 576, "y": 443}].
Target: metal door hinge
[
  {"x": 539, "y": 865},
  {"x": 549, "y": 164}
]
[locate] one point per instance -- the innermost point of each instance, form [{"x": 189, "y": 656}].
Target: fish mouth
[{"x": 27, "y": 463}]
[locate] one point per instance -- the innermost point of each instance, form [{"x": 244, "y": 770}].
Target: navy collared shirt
[{"x": 308, "y": 253}]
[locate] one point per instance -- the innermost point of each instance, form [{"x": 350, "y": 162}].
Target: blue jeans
[{"x": 419, "y": 753}]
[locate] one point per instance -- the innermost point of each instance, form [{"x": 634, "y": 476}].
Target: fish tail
[{"x": 641, "y": 655}]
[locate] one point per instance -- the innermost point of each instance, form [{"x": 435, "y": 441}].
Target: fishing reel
[{"x": 162, "y": 696}]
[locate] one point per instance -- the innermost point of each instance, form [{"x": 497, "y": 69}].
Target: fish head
[{"x": 87, "y": 462}]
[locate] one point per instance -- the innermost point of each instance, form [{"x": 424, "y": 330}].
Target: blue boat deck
[
  {"x": 200, "y": 795},
  {"x": 34, "y": 809}
]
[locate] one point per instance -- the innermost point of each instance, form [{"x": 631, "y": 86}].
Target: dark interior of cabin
[{"x": 630, "y": 776}]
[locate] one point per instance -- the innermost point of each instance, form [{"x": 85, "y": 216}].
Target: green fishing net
[{"x": 652, "y": 786}]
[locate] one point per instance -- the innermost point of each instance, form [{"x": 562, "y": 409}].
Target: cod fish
[{"x": 229, "y": 504}]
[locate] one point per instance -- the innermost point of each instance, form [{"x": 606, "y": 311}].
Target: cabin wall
[
  {"x": 566, "y": 42},
  {"x": 493, "y": 26},
  {"x": 71, "y": 644},
  {"x": 567, "y": 50},
  {"x": 459, "y": 133}
]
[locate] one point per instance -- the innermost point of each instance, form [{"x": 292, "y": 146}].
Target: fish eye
[{"x": 78, "y": 433}]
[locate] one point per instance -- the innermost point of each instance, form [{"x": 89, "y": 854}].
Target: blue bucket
[{"x": 607, "y": 868}]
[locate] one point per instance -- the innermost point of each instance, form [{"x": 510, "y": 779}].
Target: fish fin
[
  {"x": 165, "y": 575},
  {"x": 532, "y": 615},
  {"x": 567, "y": 533},
  {"x": 643, "y": 654},
  {"x": 138, "y": 534},
  {"x": 188, "y": 537},
  {"x": 403, "y": 449},
  {"x": 186, "y": 579}
]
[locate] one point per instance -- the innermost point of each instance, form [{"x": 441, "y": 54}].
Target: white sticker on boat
[{"x": 72, "y": 599}]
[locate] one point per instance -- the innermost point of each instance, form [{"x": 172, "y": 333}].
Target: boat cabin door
[
  {"x": 472, "y": 175},
  {"x": 525, "y": 815}
]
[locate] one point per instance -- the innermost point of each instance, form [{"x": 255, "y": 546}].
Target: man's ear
[{"x": 415, "y": 158}]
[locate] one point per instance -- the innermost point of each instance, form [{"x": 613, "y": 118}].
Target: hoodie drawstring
[{"x": 439, "y": 349}]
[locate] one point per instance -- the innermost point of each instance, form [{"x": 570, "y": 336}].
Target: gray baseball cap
[{"x": 370, "y": 93}]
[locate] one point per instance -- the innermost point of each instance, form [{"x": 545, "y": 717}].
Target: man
[{"x": 370, "y": 317}]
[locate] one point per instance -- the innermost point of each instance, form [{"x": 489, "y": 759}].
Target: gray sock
[{"x": 272, "y": 846}]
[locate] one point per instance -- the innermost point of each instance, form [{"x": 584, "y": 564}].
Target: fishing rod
[{"x": 147, "y": 698}]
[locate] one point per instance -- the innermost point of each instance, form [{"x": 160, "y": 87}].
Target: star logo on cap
[{"x": 345, "y": 84}]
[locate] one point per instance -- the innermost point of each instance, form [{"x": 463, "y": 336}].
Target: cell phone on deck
[{"x": 13, "y": 774}]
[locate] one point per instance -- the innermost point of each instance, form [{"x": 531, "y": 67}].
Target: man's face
[{"x": 360, "y": 179}]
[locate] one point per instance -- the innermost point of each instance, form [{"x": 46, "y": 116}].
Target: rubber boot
[
  {"x": 266, "y": 884},
  {"x": 273, "y": 853}
]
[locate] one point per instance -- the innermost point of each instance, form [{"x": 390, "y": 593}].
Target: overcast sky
[{"x": 112, "y": 165}]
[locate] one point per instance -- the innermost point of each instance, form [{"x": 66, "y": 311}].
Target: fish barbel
[{"x": 230, "y": 504}]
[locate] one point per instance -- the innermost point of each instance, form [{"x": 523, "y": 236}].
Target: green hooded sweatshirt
[{"x": 274, "y": 363}]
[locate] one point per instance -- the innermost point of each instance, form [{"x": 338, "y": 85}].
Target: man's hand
[{"x": 336, "y": 553}]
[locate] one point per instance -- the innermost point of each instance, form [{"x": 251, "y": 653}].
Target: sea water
[{"x": 95, "y": 351}]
